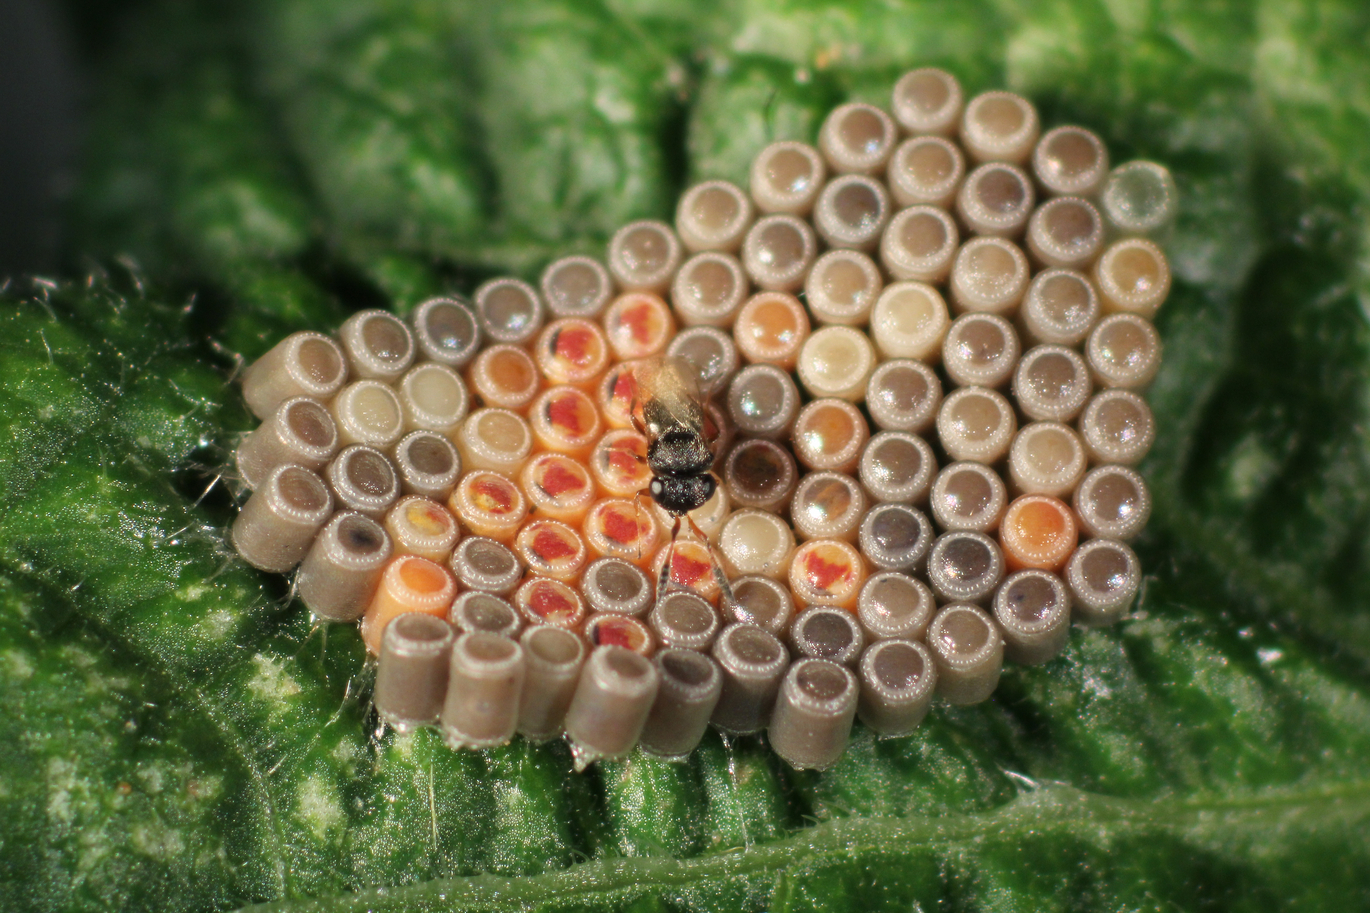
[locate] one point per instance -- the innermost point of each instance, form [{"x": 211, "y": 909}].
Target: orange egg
[
  {"x": 558, "y": 487},
  {"x": 551, "y": 549},
  {"x": 1037, "y": 531},
  {"x": 692, "y": 567},
  {"x": 827, "y": 572},
  {"x": 638, "y": 325},
  {"x": 544, "y": 601},
  {"x": 409, "y": 584},
  {"x": 489, "y": 505},
  {"x": 620, "y": 631}
]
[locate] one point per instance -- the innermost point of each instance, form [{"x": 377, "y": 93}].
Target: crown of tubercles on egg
[{"x": 922, "y": 343}]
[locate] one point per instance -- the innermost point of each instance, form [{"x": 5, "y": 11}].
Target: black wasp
[{"x": 678, "y": 452}]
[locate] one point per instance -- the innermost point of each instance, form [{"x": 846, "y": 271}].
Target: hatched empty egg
[
  {"x": 969, "y": 651},
  {"x": 989, "y": 274},
  {"x": 786, "y": 178},
  {"x": 851, "y": 212},
  {"x": 1070, "y": 160},
  {"x": 895, "y": 537},
  {"x": 709, "y": 289},
  {"x": 897, "y": 466},
  {"x": 927, "y": 100},
  {"x": 302, "y": 364},
  {"x": 910, "y": 320},
  {"x": 509, "y": 311},
  {"x": 446, "y": 331},
  {"x": 898, "y": 679},
  {"x": 894, "y": 605},
  {"x": 842, "y": 287},
  {"x": 643, "y": 256},
  {"x": 919, "y": 243},
  {"x": 576, "y": 287},
  {"x": 926, "y": 170},
  {"x": 714, "y": 215},
  {"x": 996, "y": 199},
  {"x": 378, "y": 344}
]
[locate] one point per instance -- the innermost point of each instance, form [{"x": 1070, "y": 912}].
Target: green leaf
[{"x": 179, "y": 738}]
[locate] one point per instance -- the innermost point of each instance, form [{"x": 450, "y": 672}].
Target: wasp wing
[{"x": 669, "y": 388}]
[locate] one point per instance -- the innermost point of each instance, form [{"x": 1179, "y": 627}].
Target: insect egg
[{"x": 723, "y": 472}]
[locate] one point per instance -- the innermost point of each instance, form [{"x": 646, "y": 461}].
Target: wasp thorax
[{"x": 680, "y": 452}]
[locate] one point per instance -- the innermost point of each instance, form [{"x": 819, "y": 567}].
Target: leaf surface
[{"x": 181, "y": 739}]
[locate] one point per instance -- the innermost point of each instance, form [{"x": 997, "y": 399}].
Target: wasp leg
[
  {"x": 638, "y": 427},
  {"x": 637, "y": 510},
  {"x": 632, "y": 416},
  {"x": 725, "y": 589},
  {"x": 664, "y": 578}
]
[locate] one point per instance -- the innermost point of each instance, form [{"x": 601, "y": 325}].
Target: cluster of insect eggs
[{"x": 511, "y": 580}]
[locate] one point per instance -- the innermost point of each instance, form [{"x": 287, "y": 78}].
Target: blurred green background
[{"x": 179, "y": 739}]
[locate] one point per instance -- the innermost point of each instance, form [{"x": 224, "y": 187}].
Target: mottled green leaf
[{"x": 181, "y": 739}]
